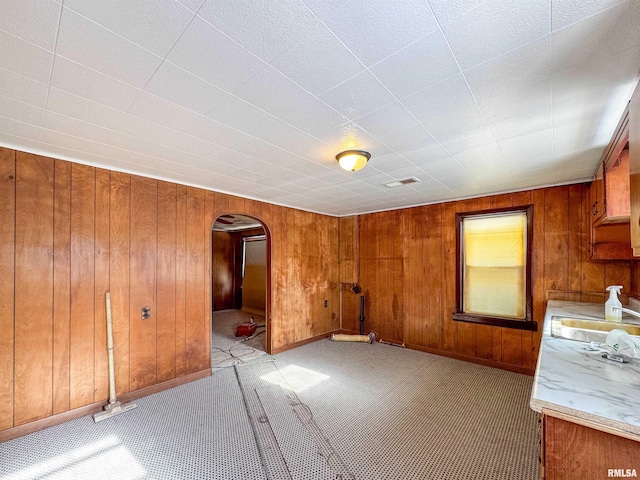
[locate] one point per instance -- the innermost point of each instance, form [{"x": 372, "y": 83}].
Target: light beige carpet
[
  {"x": 329, "y": 410},
  {"x": 228, "y": 350},
  {"x": 396, "y": 413}
]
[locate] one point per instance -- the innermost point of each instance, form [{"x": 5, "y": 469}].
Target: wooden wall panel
[
  {"x": 33, "y": 288},
  {"x": 207, "y": 298},
  {"x": 349, "y": 247},
  {"x": 195, "y": 277},
  {"x": 119, "y": 263},
  {"x": 62, "y": 285},
  {"x": 101, "y": 260},
  {"x": 166, "y": 282},
  {"x": 450, "y": 330},
  {"x": 7, "y": 286},
  {"x": 223, "y": 271},
  {"x": 291, "y": 266},
  {"x": 148, "y": 243},
  {"x": 561, "y": 266},
  {"x": 142, "y": 275},
  {"x": 412, "y": 331},
  {"x": 181, "y": 278},
  {"x": 82, "y": 333},
  {"x": 92, "y": 233},
  {"x": 433, "y": 278}
]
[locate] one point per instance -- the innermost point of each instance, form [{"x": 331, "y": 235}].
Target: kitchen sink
[{"x": 584, "y": 330}]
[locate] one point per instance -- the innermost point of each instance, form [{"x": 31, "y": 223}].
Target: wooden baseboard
[
  {"x": 466, "y": 358},
  {"x": 43, "y": 423},
  {"x": 304, "y": 342},
  {"x": 479, "y": 361}
]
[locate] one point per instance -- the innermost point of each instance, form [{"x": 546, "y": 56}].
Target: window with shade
[{"x": 494, "y": 267}]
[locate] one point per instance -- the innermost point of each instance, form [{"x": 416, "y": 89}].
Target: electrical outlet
[
  {"x": 146, "y": 312},
  {"x": 326, "y": 303}
]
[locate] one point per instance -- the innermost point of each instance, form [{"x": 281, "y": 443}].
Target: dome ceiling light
[{"x": 353, "y": 160}]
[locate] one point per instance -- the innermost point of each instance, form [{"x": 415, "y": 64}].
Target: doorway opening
[{"x": 241, "y": 281}]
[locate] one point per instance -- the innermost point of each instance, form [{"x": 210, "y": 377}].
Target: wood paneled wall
[
  {"x": 71, "y": 232},
  {"x": 227, "y": 267},
  {"x": 407, "y": 271},
  {"x": 224, "y": 271}
]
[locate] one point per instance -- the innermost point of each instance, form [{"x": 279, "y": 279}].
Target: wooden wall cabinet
[
  {"x": 573, "y": 451},
  {"x": 609, "y": 195},
  {"x": 634, "y": 169}
]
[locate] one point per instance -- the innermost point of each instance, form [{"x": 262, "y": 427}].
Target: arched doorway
[{"x": 241, "y": 289}]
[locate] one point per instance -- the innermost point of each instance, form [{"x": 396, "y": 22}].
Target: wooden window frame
[{"x": 527, "y": 323}]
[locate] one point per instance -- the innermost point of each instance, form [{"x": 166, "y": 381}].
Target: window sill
[{"x": 496, "y": 321}]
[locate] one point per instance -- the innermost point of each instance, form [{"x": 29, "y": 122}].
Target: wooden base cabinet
[{"x": 572, "y": 451}]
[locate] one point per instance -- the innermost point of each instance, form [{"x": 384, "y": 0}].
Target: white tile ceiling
[{"x": 255, "y": 98}]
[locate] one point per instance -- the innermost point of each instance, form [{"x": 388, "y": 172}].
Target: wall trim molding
[
  {"x": 304, "y": 342},
  {"x": 459, "y": 356},
  {"x": 36, "y": 425}
]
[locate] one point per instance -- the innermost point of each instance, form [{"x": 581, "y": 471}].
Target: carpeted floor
[
  {"x": 228, "y": 350},
  {"x": 325, "y": 410}
]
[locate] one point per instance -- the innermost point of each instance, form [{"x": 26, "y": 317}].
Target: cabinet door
[
  {"x": 634, "y": 169},
  {"x": 576, "y": 452}
]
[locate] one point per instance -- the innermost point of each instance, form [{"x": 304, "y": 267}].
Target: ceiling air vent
[{"x": 399, "y": 183}]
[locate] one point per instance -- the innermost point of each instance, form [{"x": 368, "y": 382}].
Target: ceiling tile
[
  {"x": 88, "y": 111},
  {"x": 22, "y": 88},
  {"x": 594, "y": 40},
  {"x": 463, "y": 141},
  {"x": 87, "y": 83},
  {"x": 447, "y": 109},
  {"x": 312, "y": 116},
  {"x": 401, "y": 172},
  {"x": 265, "y": 28},
  {"x": 526, "y": 108},
  {"x": 273, "y": 92},
  {"x": 323, "y": 8},
  {"x": 318, "y": 62},
  {"x": 152, "y": 24},
  {"x": 193, "y": 5},
  {"x": 179, "y": 86},
  {"x": 18, "y": 143},
  {"x": 209, "y": 54},
  {"x": 24, "y": 58},
  {"x": 391, "y": 118},
  {"x": 484, "y": 156},
  {"x": 575, "y": 143},
  {"x": 407, "y": 139},
  {"x": 391, "y": 161},
  {"x": 514, "y": 71},
  {"x": 530, "y": 147},
  {"x": 514, "y": 112},
  {"x": 21, "y": 112},
  {"x": 358, "y": 96},
  {"x": 495, "y": 28},
  {"x": 423, "y": 63},
  {"x": 374, "y": 29},
  {"x": 35, "y": 21},
  {"x": 19, "y": 129},
  {"x": 243, "y": 116},
  {"x": 566, "y": 12},
  {"x": 89, "y": 44},
  {"x": 446, "y": 11},
  {"x": 348, "y": 136}
]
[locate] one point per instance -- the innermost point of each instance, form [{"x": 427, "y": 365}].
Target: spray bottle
[{"x": 611, "y": 315}]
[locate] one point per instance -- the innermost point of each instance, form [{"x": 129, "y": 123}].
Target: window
[{"x": 494, "y": 267}]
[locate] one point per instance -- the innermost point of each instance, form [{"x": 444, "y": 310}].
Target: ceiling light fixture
[{"x": 353, "y": 160}]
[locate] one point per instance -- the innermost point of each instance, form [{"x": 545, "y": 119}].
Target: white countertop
[{"x": 580, "y": 383}]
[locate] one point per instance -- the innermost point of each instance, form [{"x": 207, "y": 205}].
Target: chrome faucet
[{"x": 630, "y": 312}]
